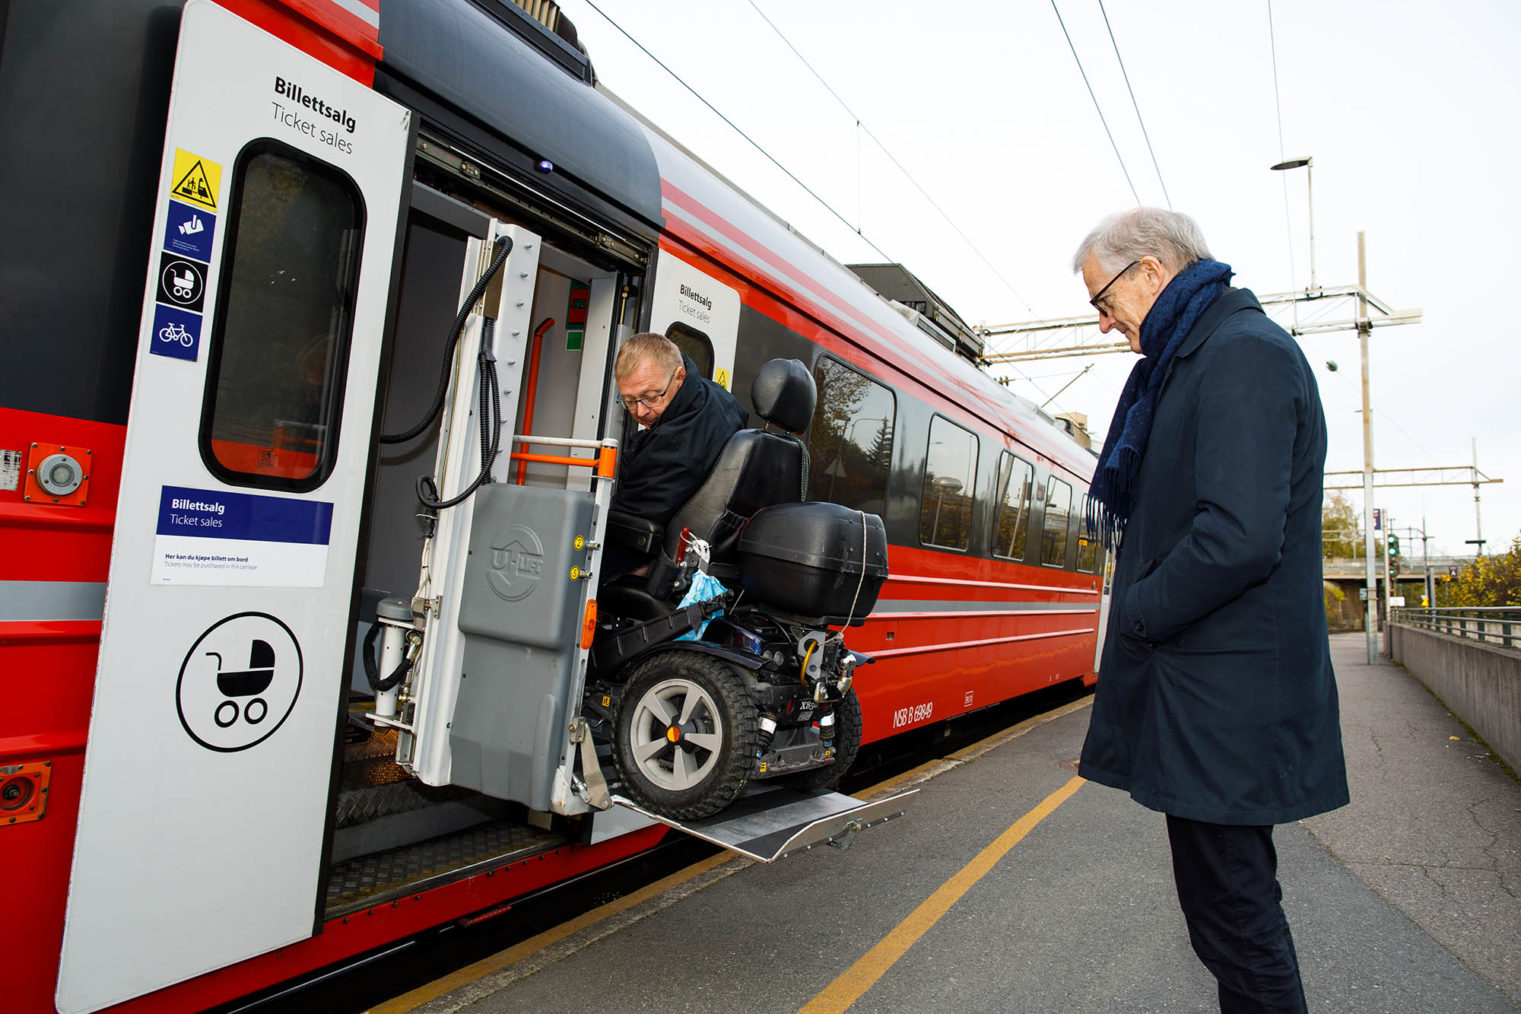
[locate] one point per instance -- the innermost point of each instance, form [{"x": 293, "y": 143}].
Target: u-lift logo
[{"x": 517, "y": 563}]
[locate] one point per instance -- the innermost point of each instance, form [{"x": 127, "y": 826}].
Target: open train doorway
[{"x": 478, "y": 295}]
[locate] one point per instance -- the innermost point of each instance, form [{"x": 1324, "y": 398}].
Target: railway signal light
[{"x": 1394, "y": 546}]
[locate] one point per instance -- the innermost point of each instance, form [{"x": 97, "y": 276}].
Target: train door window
[
  {"x": 284, "y": 312},
  {"x": 694, "y": 343},
  {"x": 1053, "y": 539},
  {"x": 1011, "y": 530},
  {"x": 950, "y": 477},
  {"x": 850, "y": 440},
  {"x": 1088, "y": 557}
]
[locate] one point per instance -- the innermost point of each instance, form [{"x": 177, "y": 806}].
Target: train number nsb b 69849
[{"x": 913, "y": 715}]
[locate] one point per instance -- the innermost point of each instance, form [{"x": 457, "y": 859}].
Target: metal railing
[{"x": 1498, "y": 625}]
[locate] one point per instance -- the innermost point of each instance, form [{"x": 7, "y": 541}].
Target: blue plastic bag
[{"x": 704, "y": 587}]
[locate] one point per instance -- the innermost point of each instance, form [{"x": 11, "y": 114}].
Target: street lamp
[
  {"x": 1306, "y": 163},
  {"x": 1364, "y": 327}
]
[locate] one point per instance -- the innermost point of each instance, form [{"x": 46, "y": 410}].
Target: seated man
[{"x": 685, "y": 421}]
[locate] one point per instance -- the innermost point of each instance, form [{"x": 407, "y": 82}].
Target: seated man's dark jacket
[
  {"x": 1216, "y": 701},
  {"x": 665, "y": 464}
]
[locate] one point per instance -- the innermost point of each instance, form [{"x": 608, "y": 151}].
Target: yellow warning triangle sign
[{"x": 194, "y": 186}]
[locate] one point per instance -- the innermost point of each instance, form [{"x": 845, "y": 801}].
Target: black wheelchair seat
[{"x": 756, "y": 468}]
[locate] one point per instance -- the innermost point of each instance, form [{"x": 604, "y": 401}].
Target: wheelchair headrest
[{"x": 783, "y": 393}]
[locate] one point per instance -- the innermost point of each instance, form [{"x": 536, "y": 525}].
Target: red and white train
[{"x": 237, "y": 234}]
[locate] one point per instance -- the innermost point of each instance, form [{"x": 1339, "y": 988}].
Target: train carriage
[{"x": 312, "y": 303}]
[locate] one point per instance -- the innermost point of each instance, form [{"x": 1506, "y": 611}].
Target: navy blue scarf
[{"x": 1111, "y": 496}]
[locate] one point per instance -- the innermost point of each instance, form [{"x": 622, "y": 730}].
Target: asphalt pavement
[{"x": 1009, "y": 887}]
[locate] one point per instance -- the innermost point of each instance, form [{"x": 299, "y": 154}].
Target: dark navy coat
[
  {"x": 1216, "y": 700},
  {"x": 666, "y": 463}
]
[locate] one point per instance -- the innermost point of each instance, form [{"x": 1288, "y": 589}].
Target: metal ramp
[{"x": 772, "y": 823}]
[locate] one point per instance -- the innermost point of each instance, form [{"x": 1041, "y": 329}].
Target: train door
[
  {"x": 701, "y": 315},
  {"x": 206, "y": 778},
  {"x": 504, "y": 599},
  {"x": 503, "y": 595}
]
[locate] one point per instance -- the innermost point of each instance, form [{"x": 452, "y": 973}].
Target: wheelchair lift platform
[{"x": 768, "y": 824}]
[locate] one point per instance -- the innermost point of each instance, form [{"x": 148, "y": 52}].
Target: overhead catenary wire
[
  {"x": 863, "y": 129},
  {"x": 1288, "y": 217},
  {"x": 1096, "y": 106},
  {"x": 771, "y": 158},
  {"x": 861, "y": 126},
  {"x": 1390, "y": 420},
  {"x": 1068, "y": 384},
  {"x": 1139, "y": 118},
  {"x": 733, "y": 126}
]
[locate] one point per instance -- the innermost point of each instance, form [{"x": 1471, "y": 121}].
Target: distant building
[{"x": 1076, "y": 425}]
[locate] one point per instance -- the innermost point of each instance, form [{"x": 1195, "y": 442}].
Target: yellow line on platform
[
  {"x": 470, "y": 973},
  {"x": 858, "y": 978},
  {"x": 496, "y": 962}
]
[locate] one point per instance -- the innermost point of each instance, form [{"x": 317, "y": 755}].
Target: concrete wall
[{"x": 1479, "y": 683}]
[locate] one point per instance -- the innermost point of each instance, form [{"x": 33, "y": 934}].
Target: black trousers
[{"x": 1227, "y": 879}]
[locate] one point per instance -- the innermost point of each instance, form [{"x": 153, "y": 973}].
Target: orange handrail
[
  {"x": 522, "y": 457},
  {"x": 530, "y": 395}
]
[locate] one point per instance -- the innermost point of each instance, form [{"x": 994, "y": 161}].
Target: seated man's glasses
[
  {"x": 629, "y": 404},
  {"x": 1101, "y": 307}
]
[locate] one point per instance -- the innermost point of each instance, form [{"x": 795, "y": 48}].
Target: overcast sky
[{"x": 1411, "y": 110}]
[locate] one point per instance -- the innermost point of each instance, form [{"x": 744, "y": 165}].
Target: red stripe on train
[
  {"x": 837, "y": 307},
  {"x": 326, "y": 37}
]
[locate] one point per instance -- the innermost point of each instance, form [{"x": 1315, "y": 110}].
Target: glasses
[
  {"x": 629, "y": 404},
  {"x": 1094, "y": 302}
]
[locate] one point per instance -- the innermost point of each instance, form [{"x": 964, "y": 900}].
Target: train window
[
  {"x": 284, "y": 314},
  {"x": 693, "y": 343},
  {"x": 1088, "y": 556},
  {"x": 850, "y": 440},
  {"x": 1053, "y": 538},
  {"x": 950, "y": 478},
  {"x": 1012, "y": 527}
]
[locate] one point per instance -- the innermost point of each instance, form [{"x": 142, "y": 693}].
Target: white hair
[{"x": 1170, "y": 236}]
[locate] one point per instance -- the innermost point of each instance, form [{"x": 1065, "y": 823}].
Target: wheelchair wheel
[
  {"x": 847, "y": 742},
  {"x": 686, "y": 736}
]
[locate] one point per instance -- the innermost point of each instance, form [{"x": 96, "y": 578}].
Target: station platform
[{"x": 1012, "y": 885}]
